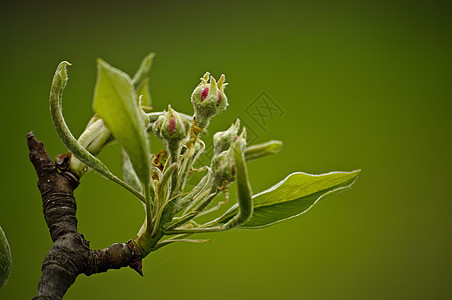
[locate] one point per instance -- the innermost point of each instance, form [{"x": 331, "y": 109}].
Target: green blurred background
[{"x": 361, "y": 84}]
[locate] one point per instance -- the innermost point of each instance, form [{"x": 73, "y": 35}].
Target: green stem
[{"x": 148, "y": 201}]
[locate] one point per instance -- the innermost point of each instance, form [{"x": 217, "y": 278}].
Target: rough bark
[{"x": 70, "y": 254}]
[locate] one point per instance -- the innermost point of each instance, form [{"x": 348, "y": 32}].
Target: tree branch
[{"x": 70, "y": 254}]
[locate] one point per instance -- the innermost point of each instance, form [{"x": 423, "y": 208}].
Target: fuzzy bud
[
  {"x": 223, "y": 167},
  {"x": 223, "y": 163},
  {"x": 157, "y": 126},
  {"x": 171, "y": 126},
  {"x": 208, "y": 99},
  {"x": 223, "y": 140}
]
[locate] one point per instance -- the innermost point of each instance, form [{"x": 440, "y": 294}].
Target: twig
[{"x": 70, "y": 254}]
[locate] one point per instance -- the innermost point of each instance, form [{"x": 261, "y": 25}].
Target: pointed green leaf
[
  {"x": 115, "y": 101},
  {"x": 143, "y": 90},
  {"x": 128, "y": 173},
  {"x": 5, "y": 258},
  {"x": 59, "y": 82},
  {"x": 143, "y": 71},
  {"x": 293, "y": 196},
  {"x": 261, "y": 150},
  {"x": 244, "y": 192}
]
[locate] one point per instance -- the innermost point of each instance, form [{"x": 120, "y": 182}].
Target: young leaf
[
  {"x": 5, "y": 258},
  {"x": 244, "y": 192},
  {"x": 261, "y": 150},
  {"x": 59, "y": 82},
  {"x": 143, "y": 90},
  {"x": 143, "y": 71},
  {"x": 115, "y": 101},
  {"x": 128, "y": 173},
  {"x": 292, "y": 197}
]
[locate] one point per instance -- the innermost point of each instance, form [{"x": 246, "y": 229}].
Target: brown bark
[{"x": 70, "y": 254}]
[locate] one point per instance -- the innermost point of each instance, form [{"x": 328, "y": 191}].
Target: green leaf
[
  {"x": 244, "y": 192},
  {"x": 143, "y": 90},
  {"x": 292, "y": 197},
  {"x": 115, "y": 101},
  {"x": 143, "y": 71},
  {"x": 128, "y": 173},
  {"x": 5, "y": 258},
  {"x": 261, "y": 150},
  {"x": 59, "y": 82}
]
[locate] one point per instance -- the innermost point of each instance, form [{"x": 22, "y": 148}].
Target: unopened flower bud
[
  {"x": 157, "y": 126},
  {"x": 241, "y": 140},
  {"x": 223, "y": 140},
  {"x": 223, "y": 167},
  {"x": 208, "y": 99},
  {"x": 171, "y": 126},
  {"x": 174, "y": 126}
]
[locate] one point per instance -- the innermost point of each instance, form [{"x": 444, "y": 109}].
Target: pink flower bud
[
  {"x": 208, "y": 99},
  {"x": 204, "y": 93},
  {"x": 172, "y": 125},
  {"x": 219, "y": 98}
]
